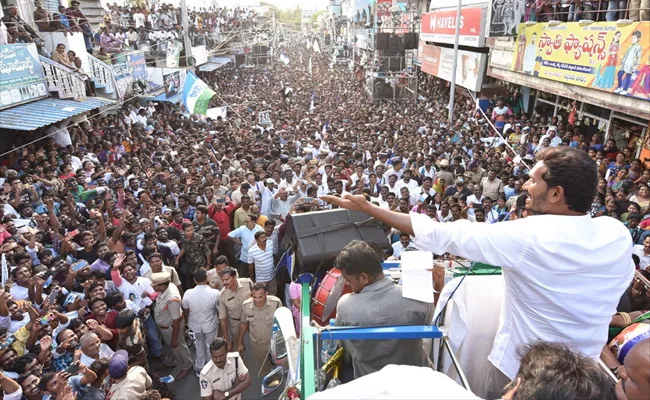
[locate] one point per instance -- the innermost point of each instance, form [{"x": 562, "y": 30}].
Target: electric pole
[
  {"x": 187, "y": 43},
  {"x": 452, "y": 89}
]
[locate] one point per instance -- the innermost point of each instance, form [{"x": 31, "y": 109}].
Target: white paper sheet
[{"x": 417, "y": 279}]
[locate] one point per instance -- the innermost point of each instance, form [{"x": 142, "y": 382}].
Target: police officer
[
  {"x": 169, "y": 319},
  {"x": 257, "y": 317},
  {"x": 235, "y": 291},
  {"x": 225, "y": 376}
]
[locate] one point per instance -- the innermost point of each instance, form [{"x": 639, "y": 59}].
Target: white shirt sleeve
[{"x": 494, "y": 244}]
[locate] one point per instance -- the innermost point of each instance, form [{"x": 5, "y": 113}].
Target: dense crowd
[{"x": 119, "y": 231}]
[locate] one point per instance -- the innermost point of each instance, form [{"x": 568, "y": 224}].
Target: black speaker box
[
  {"x": 240, "y": 59},
  {"x": 410, "y": 41},
  {"x": 382, "y": 41},
  {"x": 395, "y": 43},
  {"x": 318, "y": 237}
]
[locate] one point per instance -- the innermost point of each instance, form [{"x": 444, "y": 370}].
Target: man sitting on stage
[{"x": 377, "y": 301}]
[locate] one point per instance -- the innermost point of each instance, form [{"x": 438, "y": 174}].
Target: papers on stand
[{"x": 417, "y": 279}]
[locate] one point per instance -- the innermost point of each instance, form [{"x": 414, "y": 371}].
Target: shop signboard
[
  {"x": 505, "y": 16},
  {"x": 602, "y": 56},
  {"x": 440, "y": 26},
  {"x": 421, "y": 45},
  {"x": 470, "y": 68},
  {"x": 23, "y": 78}
]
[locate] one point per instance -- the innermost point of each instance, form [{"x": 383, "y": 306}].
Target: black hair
[
  {"x": 358, "y": 258},
  {"x": 200, "y": 275},
  {"x": 217, "y": 343},
  {"x": 574, "y": 171},
  {"x": 552, "y": 371}
]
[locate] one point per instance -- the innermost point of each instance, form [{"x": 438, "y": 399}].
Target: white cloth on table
[{"x": 398, "y": 382}]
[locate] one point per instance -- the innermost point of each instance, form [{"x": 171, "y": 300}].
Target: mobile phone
[
  {"x": 119, "y": 181},
  {"x": 7, "y": 342},
  {"x": 308, "y": 200},
  {"x": 79, "y": 265},
  {"x": 423, "y": 198},
  {"x": 48, "y": 282},
  {"x": 54, "y": 295},
  {"x": 74, "y": 233},
  {"x": 167, "y": 379},
  {"x": 45, "y": 319},
  {"x": 221, "y": 200},
  {"x": 73, "y": 368}
]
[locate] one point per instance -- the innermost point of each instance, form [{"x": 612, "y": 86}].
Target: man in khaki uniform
[
  {"x": 235, "y": 291},
  {"x": 257, "y": 317},
  {"x": 225, "y": 376},
  {"x": 214, "y": 280},
  {"x": 169, "y": 319}
]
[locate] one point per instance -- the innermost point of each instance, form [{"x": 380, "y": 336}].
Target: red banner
[
  {"x": 383, "y": 7},
  {"x": 440, "y": 26}
]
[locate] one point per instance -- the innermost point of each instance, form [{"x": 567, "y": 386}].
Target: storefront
[{"x": 625, "y": 129}]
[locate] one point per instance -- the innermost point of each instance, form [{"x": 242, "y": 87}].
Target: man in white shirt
[
  {"x": 138, "y": 19},
  {"x": 401, "y": 245},
  {"x": 564, "y": 271},
  {"x": 407, "y": 182},
  {"x": 201, "y": 304}
]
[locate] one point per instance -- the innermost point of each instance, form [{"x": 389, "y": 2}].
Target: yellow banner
[{"x": 601, "y": 55}]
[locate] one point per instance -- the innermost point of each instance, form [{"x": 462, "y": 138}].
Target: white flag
[
  {"x": 310, "y": 73},
  {"x": 316, "y": 46}
]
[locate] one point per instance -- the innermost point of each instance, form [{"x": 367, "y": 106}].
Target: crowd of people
[{"x": 146, "y": 239}]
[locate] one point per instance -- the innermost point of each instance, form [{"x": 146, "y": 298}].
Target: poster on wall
[
  {"x": 470, "y": 68},
  {"x": 505, "y": 16},
  {"x": 172, "y": 83},
  {"x": 604, "y": 56}
]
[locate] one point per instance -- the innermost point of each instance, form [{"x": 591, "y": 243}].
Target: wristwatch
[{"x": 227, "y": 394}]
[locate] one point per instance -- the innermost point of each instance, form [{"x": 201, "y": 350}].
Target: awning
[
  {"x": 214, "y": 63},
  {"x": 39, "y": 113},
  {"x": 163, "y": 97}
]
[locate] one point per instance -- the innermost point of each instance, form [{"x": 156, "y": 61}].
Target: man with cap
[
  {"x": 444, "y": 173},
  {"x": 235, "y": 291},
  {"x": 257, "y": 318},
  {"x": 459, "y": 189},
  {"x": 127, "y": 383},
  {"x": 201, "y": 304},
  {"x": 225, "y": 376},
  {"x": 169, "y": 319}
]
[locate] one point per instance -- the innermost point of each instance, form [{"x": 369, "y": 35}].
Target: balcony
[
  {"x": 103, "y": 76},
  {"x": 62, "y": 81}
]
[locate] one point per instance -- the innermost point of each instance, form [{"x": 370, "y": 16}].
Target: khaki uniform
[
  {"x": 230, "y": 305},
  {"x": 175, "y": 279},
  {"x": 213, "y": 378},
  {"x": 260, "y": 326},
  {"x": 168, "y": 309}
]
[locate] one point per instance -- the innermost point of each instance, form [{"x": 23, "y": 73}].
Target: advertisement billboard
[
  {"x": 470, "y": 68},
  {"x": 603, "y": 56},
  {"x": 23, "y": 78},
  {"x": 505, "y": 16},
  {"x": 440, "y": 26}
]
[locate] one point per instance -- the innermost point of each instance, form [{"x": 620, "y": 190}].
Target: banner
[
  {"x": 200, "y": 55},
  {"x": 130, "y": 64},
  {"x": 264, "y": 117},
  {"x": 440, "y": 26},
  {"x": 603, "y": 56},
  {"x": 196, "y": 94},
  {"x": 23, "y": 78},
  {"x": 174, "y": 54},
  {"x": 505, "y": 16},
  {"x": 470, "y": 68},
  {"x": 172, "y": 83},
  {"x": 217, "y": 112}
]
